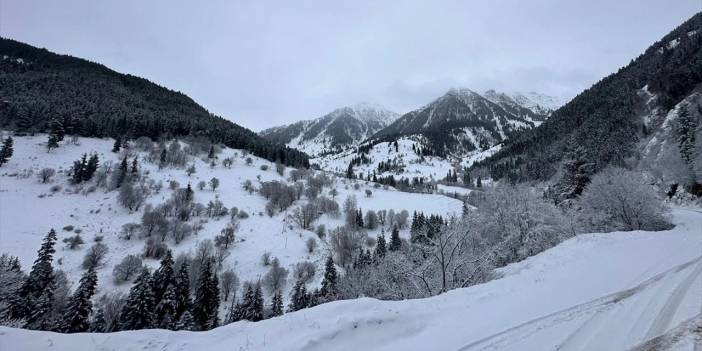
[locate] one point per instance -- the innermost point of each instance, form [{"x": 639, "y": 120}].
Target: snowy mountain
[
  {"x": 616, "y": 291},
  {"x": 463, "y": 120},
  {"x": 337, "y": 131}
]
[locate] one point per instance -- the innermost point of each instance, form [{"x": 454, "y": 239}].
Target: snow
[
  {"x": 615, "y": 291},
  {"x": 450, "y": 190},
  {"x": 26, "y": 197}
]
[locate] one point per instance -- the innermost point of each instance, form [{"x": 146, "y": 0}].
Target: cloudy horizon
[{"x": 263, "y": 64}]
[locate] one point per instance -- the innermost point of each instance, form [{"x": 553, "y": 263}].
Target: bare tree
[
  {"x": 45, "y": 174},
  {"x": 229, "y": 283},
  {"x": 274, "y": 281},
  {"x": 95, "y": 256},
  {"x": 128, "y": 268}
]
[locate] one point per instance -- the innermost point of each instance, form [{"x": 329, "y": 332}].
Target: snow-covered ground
[
  {"x": 28, "y": 209},
  {"x": 616, "y": 291}
]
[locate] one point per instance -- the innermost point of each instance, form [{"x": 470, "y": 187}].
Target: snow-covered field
[
  {"x": 28, "y": 209},
  {"x": 616, "y": 291}
]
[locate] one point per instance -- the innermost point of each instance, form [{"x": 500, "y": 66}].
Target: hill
[{"x": 88, "y": 99}]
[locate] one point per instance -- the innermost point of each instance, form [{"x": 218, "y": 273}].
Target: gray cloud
[{"x": 264, "y": 63}]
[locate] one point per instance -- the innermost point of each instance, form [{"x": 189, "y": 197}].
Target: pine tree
[
  {"x": 211, "y": 154},
  {"x": 182, "y": 290},
  {"x": 6, "y": 151},
  {"x": 76, "y": 318},
  {"x": 349, "y": 171},
  {"x": 329, "y": 289},
  {"x": 91, "y": 167},
  {"x": 206, "y": 303},
  {"x": 479, "y": 182},
  {"x": 122, "y": 175},
  {"x": 257, "y": 306},
  {"x": 98, "y": 324},
  {"x": 185, "y": 322},
  {"x": 163, "y": 158},
  {"x": 380, "y": 247},
  {"x": 138, "y": 311},
  {"x": 165, "y": 310},
  {"x": 135, "y": 166},
  {"x": 117, "y": 145},
  {"x": 164, "y": 276},
  {"x": 40, "y": 276},
  {"x": 298, "y": 300},
  {"x": 40, "y": 317},
  {"x": 277, "y": 305},
  {"x": 685, "y": 130},
  {"x": 56, "y": 134},
  {"x": 244, "y": 309},
  {"x": 395, "y": 242}
]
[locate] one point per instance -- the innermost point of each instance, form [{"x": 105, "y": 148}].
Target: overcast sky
[{"x": 264, "y": 63}]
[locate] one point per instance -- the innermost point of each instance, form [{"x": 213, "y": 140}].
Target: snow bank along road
[{"x": 616, "y": 291}]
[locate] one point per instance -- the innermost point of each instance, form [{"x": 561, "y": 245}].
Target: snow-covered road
[{"x": 616, "y": 291}]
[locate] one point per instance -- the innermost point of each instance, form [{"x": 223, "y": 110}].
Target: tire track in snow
[
  {"x": 522, "y": 331},
  {"x": 666, "y": 314}
]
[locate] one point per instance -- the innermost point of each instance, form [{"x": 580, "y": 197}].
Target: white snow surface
[{"x": 615, "y": 291}]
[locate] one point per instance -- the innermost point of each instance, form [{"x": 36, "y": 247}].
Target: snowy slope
[
  {"x": 28, "y": 209},
  {"x": 616, "y": 291},
  {"x": 339, "y": 130}
]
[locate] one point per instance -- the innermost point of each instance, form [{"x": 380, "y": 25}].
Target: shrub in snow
[
  {"x": 201, "y": 185},
  {"x": 321, "y": 231},
  {"x": 266, "y": 258},
  {"x": 279, "y": 168},
  {"x": 73, "y": 242},
  {"x": 55, "y": 188},
  {"x": 369, "y": 193},
  {"x": 619, "y": 199},
  {"x": 127, "y": 268},
  {"x": 311, "y": 244},
  {"x": 304, "y": 271},
  {"x": 45, "y": 174},
  {"x": 214, "y": 183},
  {"x": 264, "y": 167},
  {"x": 242, "y": 214},
  {"x": 68, "y": 228}
]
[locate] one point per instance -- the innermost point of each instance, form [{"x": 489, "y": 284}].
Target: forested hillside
[
  {"x": 603, "y": 124},
  {"x": 38, "y": 88}
]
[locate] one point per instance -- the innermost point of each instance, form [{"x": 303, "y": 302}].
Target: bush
[
  {"x": 46, "y": 174},
  {"x": 68, "y": 228},
  {"x": 266, "y": 258},
  {"x": 73, "y": 242},
  {"x": 311, "y": 244},
  {"x": 154, "y": 248},
  {"x": 242, "y": 215},
  {"x": 619, "y": 199},
  {"x": 55, "y": 188},
  {"x": 128, "y": 268},
  {"x": 321, "y": 231},
  {"x": 95, "y": 256},
  {"x": 304, "y": 271},
  {"x": 264, "y": 167}
]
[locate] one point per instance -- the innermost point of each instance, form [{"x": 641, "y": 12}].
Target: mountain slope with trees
[
  {"x": 40, "y": 88},
  {"x": 604, "y": 124}
]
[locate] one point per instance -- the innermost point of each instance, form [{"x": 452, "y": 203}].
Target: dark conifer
[
  {"x": 76, "y": 318},
  {"x": 395, "y": 242},
  {"x": 138, "y": 311}
]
